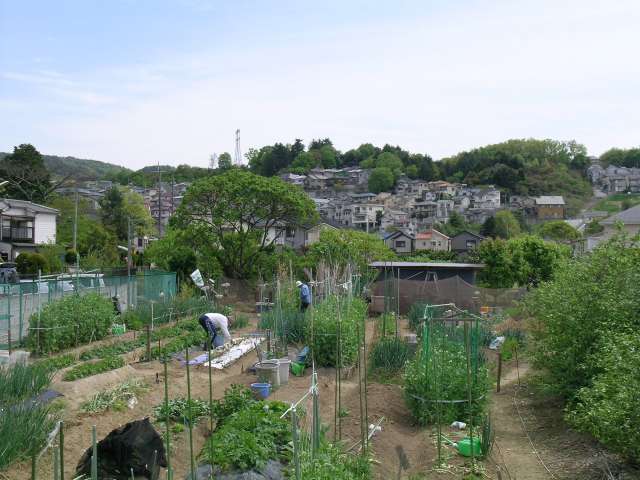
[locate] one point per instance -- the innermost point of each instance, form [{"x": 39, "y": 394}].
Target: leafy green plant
[
  {"x": 508, "y": 348},
  {"x": 21, "y": 381},
  {"x": 249, "y": 438},
  {"x": 331, "y": 463},
  {"x": 53, "y": 364},
  {"x": 322, "y": 329},
  {"x": 93, "y": 368},
  {"x": 70, "y": 321},
  {"x": 416, "y": 316},
  {"x": 236, "y": 398},
  {"x": 443, "y": 379},
  {"x": 286, "y": 322},
  {"x": 181, "y": 410},
  {"x": 389, "y": 355},
  {"x": 115, "y": 398},
  {"x": 387, "y": 324}
]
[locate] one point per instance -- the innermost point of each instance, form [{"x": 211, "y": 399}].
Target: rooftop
[
  {"x": 550, "y": 200},
  {"x": 475, "y": 266},
  {"x": 6, "y": 203},
  {"x": 631, "y": 216}
]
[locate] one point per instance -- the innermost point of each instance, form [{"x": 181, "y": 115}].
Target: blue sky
[{"x": 134, "y": 82}]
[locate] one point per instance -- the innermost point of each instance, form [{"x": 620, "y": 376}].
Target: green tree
[
  {"x": 224, "y": 161},
  {"x": 593, "y": 228},
  {"x": 381, "y": 180},
  {"x": 506, "y": 225},
  {"x": 488, "y": 227},
  {"x": 559, "y": 230},
  {"x": 27, "y": 175},
  {"x": 134, "y": 209},
  {"x": 238, "y": 212},
  {"x": 392, "y": 162},
  {"x": 112, "y": 212}
]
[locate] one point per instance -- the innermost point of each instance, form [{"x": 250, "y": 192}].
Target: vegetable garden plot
[{"x": 448, "y": 379}]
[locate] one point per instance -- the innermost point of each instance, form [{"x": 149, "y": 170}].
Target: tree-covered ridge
[{"x": 78, "y": 168}]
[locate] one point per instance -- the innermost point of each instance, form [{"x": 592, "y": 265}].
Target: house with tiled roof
[{"x": 432, "y": 240}]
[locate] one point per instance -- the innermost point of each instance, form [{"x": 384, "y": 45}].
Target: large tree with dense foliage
[
  {"x": 559, "y": 230},
  {"x": 524, "y": 261},
  {"x": 119, "y": 206},
  {"x": 621, "y": 157},
  {"x": 27, "y": 175},
  {"x": 238, "y": 212},
  {"x": 381, "y": 180},
  {"x": 585, "y": 325}
]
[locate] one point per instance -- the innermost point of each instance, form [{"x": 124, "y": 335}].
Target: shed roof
[
  {"x": 473, "y": 266},
  {"x": 550, "y": 200}
]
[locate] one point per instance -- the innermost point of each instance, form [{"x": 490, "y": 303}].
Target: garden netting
[{"x": 19, "y": 301}]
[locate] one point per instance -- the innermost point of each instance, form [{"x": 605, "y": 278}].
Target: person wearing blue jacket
[{"x": 305, "y": 295}]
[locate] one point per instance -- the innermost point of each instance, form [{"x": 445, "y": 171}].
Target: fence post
[
  {"x": 21, "y": 319},
  {"x": 296, "y": 442},
  {"x": 55, "y": 463},
  {"x": 148, "y": 359}
]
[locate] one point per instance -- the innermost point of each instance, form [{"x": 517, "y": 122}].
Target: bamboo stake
[
  {"x": 193, "y": 467},
  {"x": 56, "y": 466},
  {"x": 61, "y": 441},
  {"x": 210, "y": 394},
  {"x": 33, "y": 466},
  {"x": 166, "y": 423},
  {"x": 470, "y": 394},
  {"x": 296, "y": 443}
]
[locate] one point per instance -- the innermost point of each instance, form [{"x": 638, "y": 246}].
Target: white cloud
[{"x": 465, "y": 77}]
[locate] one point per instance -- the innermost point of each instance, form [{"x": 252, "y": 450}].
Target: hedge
[{"x": 70, "y": 321}]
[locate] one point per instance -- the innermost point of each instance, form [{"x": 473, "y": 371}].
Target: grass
[
  {"x": 614, "y": 203},
  {"x": 21, "y": 382},
  {"x": 88, "y": 369},
  {"x": 115, "y": 398},
  {"x": 389, "y": 356}
]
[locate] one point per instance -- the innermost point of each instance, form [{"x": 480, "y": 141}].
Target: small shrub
[
  {"x": 70, "y": 321},
  {"x": 508, "y": 348},
  {"x": 70, "y": 257},
  {"x": 178, "y": 410},
  {"x": 389, "y": 355},
  {"x": 88, "y": 369},
  {"x": 30, "y": 263},
  {"x": 321, "y": 330},
  {"x": 236, "y": 398}
]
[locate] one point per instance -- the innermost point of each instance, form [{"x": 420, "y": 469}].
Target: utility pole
[
  {"x": 159, "y": 216},
  {"x": 75, "y": 223},
  {"x": 128, "y": 246}
]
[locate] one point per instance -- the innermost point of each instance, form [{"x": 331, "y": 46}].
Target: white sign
[{"x": 197, "y": 278}]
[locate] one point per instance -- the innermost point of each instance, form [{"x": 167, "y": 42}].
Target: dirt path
[{"x": 513, "y": 448}]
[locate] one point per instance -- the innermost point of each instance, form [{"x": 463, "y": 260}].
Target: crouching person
[{"x": 217, "y": 327}]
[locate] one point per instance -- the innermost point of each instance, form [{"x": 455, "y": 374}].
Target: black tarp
[{"x": 131, "y": 446}]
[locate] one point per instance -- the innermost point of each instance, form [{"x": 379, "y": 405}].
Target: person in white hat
[{"x": 305, "y": 295}]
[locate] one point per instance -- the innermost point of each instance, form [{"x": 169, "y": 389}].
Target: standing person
[
  {"x": 305, "y": 295},
  {"x": 217, "y": 327}
]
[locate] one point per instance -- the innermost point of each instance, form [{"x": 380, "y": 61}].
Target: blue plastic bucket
[{"x": 262, "y": 390}]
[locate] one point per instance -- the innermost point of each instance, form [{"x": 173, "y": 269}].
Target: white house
[
  {"x": 25, "y": 225},
  {"x": 432, "y": 240}
]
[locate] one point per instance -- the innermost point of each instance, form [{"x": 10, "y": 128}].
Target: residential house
[
  {"x": 306, "y": 235},
  {"x": 486, "y": 197},
  {"x": 400, "y": 241},
  {"x": 465, "y": 241},
  {"x": 25, "y": 225},
  {"x": 366, "y": 216},
  {"x": 432, "y": 240},
  {"x": 550, "y": 207},
  {"x": 294, "y": 179},
  {"x": 629, "y": 220}
]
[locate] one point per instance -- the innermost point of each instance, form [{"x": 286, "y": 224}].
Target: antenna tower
[
  {"x": 213, "y": 161},
  {"x": 238, "y": 155}
]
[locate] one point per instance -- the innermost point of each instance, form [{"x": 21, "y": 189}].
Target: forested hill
[
  {"x": 520, "y": 166},
  {"x": 79, "y": 168}
]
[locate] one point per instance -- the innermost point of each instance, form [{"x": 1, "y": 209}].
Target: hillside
[{"x": 79, "y": 168}]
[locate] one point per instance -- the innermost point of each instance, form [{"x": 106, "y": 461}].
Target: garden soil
[{"x": 383, "y": 401}]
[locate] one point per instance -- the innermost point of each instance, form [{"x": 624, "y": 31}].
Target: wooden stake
[{"x": 499, "y": 371}]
